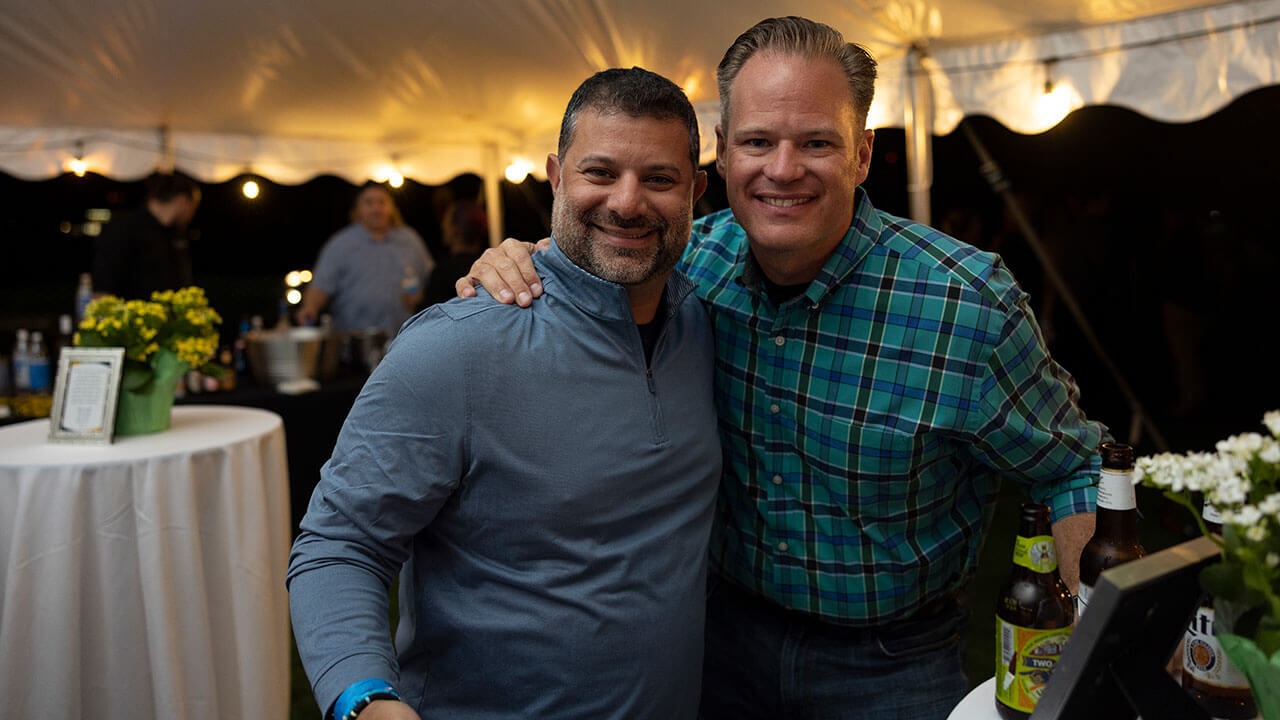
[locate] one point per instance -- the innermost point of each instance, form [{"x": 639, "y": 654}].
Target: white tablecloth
[
  {"x": 979, "y": 704},
  {"x": 145, "y": 579}
]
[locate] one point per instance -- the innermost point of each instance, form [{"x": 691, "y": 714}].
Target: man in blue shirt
[
  {"x": 875, "y": 380},
  {"x": 371, "y": 273},
  {"x": 553, "y": 567}
]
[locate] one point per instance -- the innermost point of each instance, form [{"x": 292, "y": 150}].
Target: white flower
[
  {"x": 1273, "y": 559},
  {"x": 1229, "y": 491},
  {"x": 1270, "y": 452},
  {"x": 1257, "y": 533},
  {"x": 1270, "y": 505},
  {"x": 1243, "y": 445},
  {"x": 1272, "y": 421},
  {"x": 1244, "y": 516}
]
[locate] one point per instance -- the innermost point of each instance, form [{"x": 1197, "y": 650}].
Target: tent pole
[
  {"x": 918, "y": 120},
  {"x": 1002, "y": 187},
  {"x": 168, "y": 160},
  {"x": 493, "y": 171}
]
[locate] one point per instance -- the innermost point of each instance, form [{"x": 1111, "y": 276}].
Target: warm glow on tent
[
  {"x": 78, "y": 166},
  {"x": 1054, "y": 105}
]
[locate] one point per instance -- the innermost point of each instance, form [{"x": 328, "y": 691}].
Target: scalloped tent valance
[{"x": 289, "y": 91}]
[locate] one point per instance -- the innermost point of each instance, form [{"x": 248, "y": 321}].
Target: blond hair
[{"x": 800, "y": 36}]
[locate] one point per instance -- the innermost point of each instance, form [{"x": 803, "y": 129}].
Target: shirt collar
[
  {"x": 601, "y": 298},
  {"x": 854, "y": 246}
]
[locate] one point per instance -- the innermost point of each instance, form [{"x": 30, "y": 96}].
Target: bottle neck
[
  {"x": 1119, "y": 526},
  {"x": 1035, "y": 552}
]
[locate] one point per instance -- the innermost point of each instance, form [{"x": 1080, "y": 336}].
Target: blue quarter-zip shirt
[{"x": 549, "y": 498}]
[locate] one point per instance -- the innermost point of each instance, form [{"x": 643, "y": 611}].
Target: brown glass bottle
[
  {"x": 1034, "y": 617},
  {"x": 1115, "y": 539},
  {"x": 1208, "y": 675}
]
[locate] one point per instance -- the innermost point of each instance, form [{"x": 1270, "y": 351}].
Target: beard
[{"x": 573, "y": 229}]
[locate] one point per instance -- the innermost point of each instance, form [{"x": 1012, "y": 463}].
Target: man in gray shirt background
[{"x": 552, "y": 568}]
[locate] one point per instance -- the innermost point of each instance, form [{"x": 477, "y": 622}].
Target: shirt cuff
[{"x": 1073, "y": 501}]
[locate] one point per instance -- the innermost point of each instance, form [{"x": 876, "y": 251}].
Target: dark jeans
[{"x": 763, "y": 661}]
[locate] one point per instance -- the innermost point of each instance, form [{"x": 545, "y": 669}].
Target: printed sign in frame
[{"x": 85, "y": 394}]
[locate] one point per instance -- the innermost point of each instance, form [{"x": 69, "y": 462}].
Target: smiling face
[
  {"x": 624, "y": 194},
  {"x": 792, "y": 151}
]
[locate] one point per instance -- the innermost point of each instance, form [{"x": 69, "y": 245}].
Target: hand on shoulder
[{"x": 507, "y": 272}]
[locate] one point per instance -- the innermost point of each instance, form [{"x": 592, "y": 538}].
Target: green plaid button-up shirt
[{"x": 866, "y": 423}]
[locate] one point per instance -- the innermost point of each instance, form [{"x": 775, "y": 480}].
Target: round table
[
  {"x": 145, "y": 579},
  {"x": 979, "y": 704}
]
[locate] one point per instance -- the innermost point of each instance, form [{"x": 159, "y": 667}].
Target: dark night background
[{"x": 1151, "y": 223}]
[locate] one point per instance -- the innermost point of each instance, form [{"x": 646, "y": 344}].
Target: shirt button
[
  {"x": 777, "y": 479},
  {"x": 775, "y": 409},
  {"x": 779, "y": 341},
  {"x": 782, "y": 546}
]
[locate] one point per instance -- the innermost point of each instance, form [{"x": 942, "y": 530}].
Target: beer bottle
[
  {"x": 1115, "y": 539},
  {"x": 1208, "y": 675},
  {"x": 1034, "y": 617}
]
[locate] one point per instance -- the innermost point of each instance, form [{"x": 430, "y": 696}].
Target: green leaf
[
  {"x": 1263, "y": 674},
  {"x": 1225, "y": 580},
  {"x": 90, "y": 340},
  {"x": 1268, "y": 635}
]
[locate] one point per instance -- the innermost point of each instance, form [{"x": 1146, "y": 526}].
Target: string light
[
  {"x": 518, "y": 170},
  {"x": 250, "y": 189},
  {"x": 293, "y": 297},
  {"x": 78, "y": 166},
  {"x": 1056, "y": 102}
]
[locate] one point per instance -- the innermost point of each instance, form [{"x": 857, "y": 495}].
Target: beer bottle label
[
  {"x": 1035, "y": 553},
  {"x": 1115, "y": 490},
  {"x": 1203, "y": 657},
  {"x": 1024, "y": 662}
]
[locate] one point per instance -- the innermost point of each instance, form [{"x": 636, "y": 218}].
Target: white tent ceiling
[{"x": 293, "y": 89}]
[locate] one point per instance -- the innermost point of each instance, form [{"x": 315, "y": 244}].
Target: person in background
[
  {"x": 465, "y": 234},
  {"x": 875, "y": 381},
  {"x": 372, "y": 271},
  {"x": 149, "y": 248},
  {"x": 547, "y": 569}
]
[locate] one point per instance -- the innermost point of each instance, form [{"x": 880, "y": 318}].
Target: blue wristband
[{"x": 354, "y": 698}]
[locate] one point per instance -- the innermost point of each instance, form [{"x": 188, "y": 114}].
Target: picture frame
[{"x": 85, "y": 394}]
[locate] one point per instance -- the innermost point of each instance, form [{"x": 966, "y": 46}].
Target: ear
[
  {"x": 699, "y": 184},
  {"x": 553, "y": 171},
  {"x": 720, "y": 148},
  {"x": 864, "y": 154}
]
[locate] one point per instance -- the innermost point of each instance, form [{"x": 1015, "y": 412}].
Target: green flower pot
[{"x": 146, "y": 394}]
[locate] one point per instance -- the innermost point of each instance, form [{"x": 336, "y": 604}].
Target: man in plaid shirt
[{"x": 875, "y": 379}]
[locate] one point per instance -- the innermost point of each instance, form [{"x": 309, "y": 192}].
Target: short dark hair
[
  {"x": 800, "y": 36},
  {"x": 396, "y": 219},
  {"x": 164, "y": 187},
  {"x": 636, "y": 92}
]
